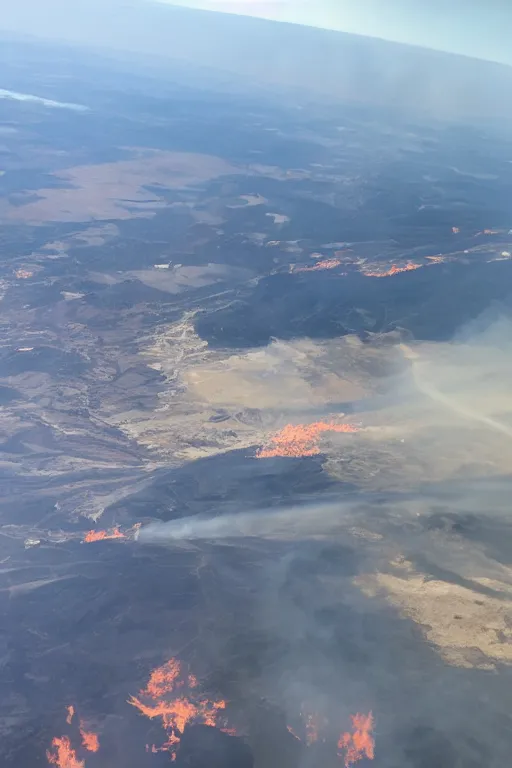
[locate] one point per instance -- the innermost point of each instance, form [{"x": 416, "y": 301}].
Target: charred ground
[{"x": 185, "y": 274}]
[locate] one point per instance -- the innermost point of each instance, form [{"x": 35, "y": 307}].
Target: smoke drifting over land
[
  {"x": 459, "y": 389},
  {"x": 341, "y": 583},
  {"x": 248, "y": 521}
]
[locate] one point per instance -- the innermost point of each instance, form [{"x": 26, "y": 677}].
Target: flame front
[
  {"x": 323, "y": 264},
  {"x": 360, "y": 743},
  {"x": 394, "y": 270},
  {"x": 63, "y": 755},
  {"x": 352, "y": 747},
  {"x": 113, "y": 533},
  {"x": 90, "y": 740},
  {"x": 172, "y": 695},
  {"x": 296, "y": 440}
]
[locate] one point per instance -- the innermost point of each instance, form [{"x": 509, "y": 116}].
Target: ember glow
[
  {"x": 71, "y": 714},
  {"x": 360, "y": 743},
  {"x": 324, "y": 264},
  {"x": 296, "y": 440},
  {"x": 113, "y": 533},
  {"x": 173, "y": 695},
  {"x": 393, "y": 270},
  {"x": 23, "y": 274},
  {"x": 314, "y": 726}
]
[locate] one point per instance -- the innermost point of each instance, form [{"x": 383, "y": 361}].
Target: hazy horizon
[
  {"x": 478, "y": 33},
  {"x": 456, "y": 26},
  {"x": 281, "y": 58}
]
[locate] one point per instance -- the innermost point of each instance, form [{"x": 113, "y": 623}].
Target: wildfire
[
  {"x": 394, "y": 270},
  {"x": 23, "y": 274},
  {"x": 172, "y": 694},
  {"x": 360, "y": 743},
  {"x": 90, "y": 739},
  {"x": 62, "y": 754},
  {"x": 352, "y": 747},
  {"x": 113, "y": 533},
  {"x": 296, "y": 440},
  {"x": 323, "y": 264},
  {"x": 455, "y": 230}
]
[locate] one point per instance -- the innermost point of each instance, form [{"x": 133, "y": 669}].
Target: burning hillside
[
  {"x": 394, "y": 269},
  {"x": 113, "y": 533},
  {"x": 90, "y": 740},
  {"x": 323, "y": 264},
  {"x": 295, "y": 440},
  {"x": 172, "y": 694},
  {"x": 63, "y": 754},
  {"x": 352, "y": 745},
  {"x": 360, "y": 743}
]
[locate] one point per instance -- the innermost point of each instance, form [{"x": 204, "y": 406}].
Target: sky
[
  {"x": 476, "y": 28},
  {"x": 471, "y": 27}
]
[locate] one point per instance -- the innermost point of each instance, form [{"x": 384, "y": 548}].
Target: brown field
[{"x": 117, "y": 190}]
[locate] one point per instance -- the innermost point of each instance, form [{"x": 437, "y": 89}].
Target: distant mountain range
[{"x": 326, "y": 64}]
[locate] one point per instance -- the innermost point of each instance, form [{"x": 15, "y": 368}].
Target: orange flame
[
  {"x": 171, "y": 694},
  {"x": 296, "y": 440},
  {"x": 63, "y": 754},
  {"x": 360, "y": 743},
  {"x": 23, "y": 274},
  {"x": 352, "y": 747},
  {"x": 90, "y": 739},
  {"x": 393, "y": 270},
  {"x": 323, "y": 264},
  {"x": 455, "y": 230},
  {"x": 113, "y": 533}
]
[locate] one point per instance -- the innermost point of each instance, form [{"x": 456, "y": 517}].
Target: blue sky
[{"x": 478, "y": 28}]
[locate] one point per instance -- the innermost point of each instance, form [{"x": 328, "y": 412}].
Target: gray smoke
[{"x": 288, "y": 524}]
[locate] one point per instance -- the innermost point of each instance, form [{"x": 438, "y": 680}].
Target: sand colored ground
[
  {"x": 468, "y": 628},
  {"x": 212, "y": 402},
  {"x": 282, "y": 375},
  {"x": 118, "y": 190}
]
